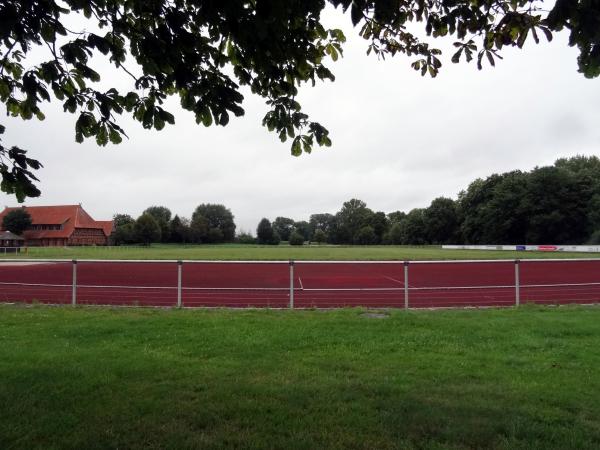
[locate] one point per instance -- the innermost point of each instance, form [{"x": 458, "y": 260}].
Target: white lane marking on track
[
  {"x": 300, "y": 280},
  {"x": 393, "y": 279}
]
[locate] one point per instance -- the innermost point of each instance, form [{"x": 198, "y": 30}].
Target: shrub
[
  {"x": 147, "y": 229},
  {"x": 125, "y": 234},
  {"x": 395, "y": 234},
  {"x": 594, "y": 238},
  {"x": 319, "y": 236},
  {"x": 215, "y": 235},
  {"x": 296, "y": 238},
  {"x": 246, "y": 238},
  {"x": 365, "y": 236},
  {"x": 276, "y": 239}
]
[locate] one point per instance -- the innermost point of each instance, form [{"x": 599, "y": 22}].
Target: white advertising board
[{"x": 531, "y": 248}]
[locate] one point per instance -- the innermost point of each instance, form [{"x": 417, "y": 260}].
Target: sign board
[{"x": 530, "y": 248}]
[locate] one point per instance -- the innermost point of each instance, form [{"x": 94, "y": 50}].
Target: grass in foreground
[
  {"x": 139, "y": 378},
  {"x": 284, "y": 252}
]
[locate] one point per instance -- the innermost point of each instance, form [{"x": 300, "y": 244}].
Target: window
[{"x": 46, "y": 227}]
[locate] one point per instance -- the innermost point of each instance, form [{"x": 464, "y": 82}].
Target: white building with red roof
[{"x": 62, "y": 225}]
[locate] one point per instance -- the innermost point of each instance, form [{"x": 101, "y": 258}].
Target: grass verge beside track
[
  {"x": 284, "y": 252},
  {"x": 138, "y": 378}
]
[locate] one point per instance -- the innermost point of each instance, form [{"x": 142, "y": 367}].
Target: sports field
[
  {"x": 153, "y": 378},
  {"x": 284, "y": 252}
]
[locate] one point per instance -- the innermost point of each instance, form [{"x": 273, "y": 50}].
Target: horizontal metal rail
[
  {"x": 6, "y": 283},
  {"x": 204, "y": 288},
  {"x": 222, "y": 261},
  {"x": 351, "y": 289},
  {"x": 237, "y": 289},
  {"x": 102, "y": 286}
]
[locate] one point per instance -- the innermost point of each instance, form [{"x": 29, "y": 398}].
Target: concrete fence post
[
  {"x": 74, "y": 287},
  {"x": 517, "y": 284},
  {"x": 179, "y": 273},
  {"x": 291, "y": 284},
  {"x": 405, "y": 284}
]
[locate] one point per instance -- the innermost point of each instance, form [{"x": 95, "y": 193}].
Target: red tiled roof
[
  {"x": 107, "y": 226},
  {"x": 69, "y": 216}
]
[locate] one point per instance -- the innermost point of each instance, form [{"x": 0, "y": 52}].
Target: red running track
[{"x": 320, "y": 285}]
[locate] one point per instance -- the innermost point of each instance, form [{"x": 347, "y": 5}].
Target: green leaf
[
  {"x": 547, "y": 32},
  {"x": 159, "y": 124},
  {"x": 207, "y": 119},
  {"x": 522, "y": 37},
  {"x": 70, "y": 105},
  {"x": 48, "y": 32},
  {"x": 115, "y": 136},
  {"x": 356, "y": 14},
  {"x": 456, "y": 57},
  {"x": 296, "y": 147},
  {"x": 102, "y": 136}
]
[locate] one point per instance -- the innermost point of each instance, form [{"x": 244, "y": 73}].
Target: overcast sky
[{"x": 399, "y": 140}]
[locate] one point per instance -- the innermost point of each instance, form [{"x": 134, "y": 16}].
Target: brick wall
[{"x": 87, "y": 236}]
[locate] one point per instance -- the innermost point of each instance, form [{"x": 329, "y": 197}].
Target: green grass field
[
  {"x": 136, "y": 378},
  {"x": 283, "y": 252}
]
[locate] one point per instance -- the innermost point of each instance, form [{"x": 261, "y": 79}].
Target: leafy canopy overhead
[{"x": 204, "y": 51}]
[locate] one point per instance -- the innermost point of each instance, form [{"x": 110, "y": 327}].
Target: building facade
[{"x": 63, "y": 225}]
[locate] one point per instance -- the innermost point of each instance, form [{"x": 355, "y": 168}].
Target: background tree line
[
  {"x": 554, "y": 204},
  {"x": 210, "y": 223}
]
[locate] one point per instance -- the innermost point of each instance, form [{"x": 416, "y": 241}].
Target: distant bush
[
  {"x": 276, "y": 239},
  {"x": 595, "y": 238},
  {"x": 319, "y": 236},
  {"x": 147, "y": 229},
  {"x": 296, "y": 238},
  {"x": 245, "y": 238},
  {"x": 366, "y": 236},
  {"x": 125, "y": 234},
  {"x": 215, "y": 235},
  {"x": 395, "y": 235}
]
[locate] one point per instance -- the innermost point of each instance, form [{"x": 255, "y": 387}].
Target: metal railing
[
  {"x": 468, "y": 282},
  {"x": 13, "y": 250},
  {"x": 42, "y": 248}
]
